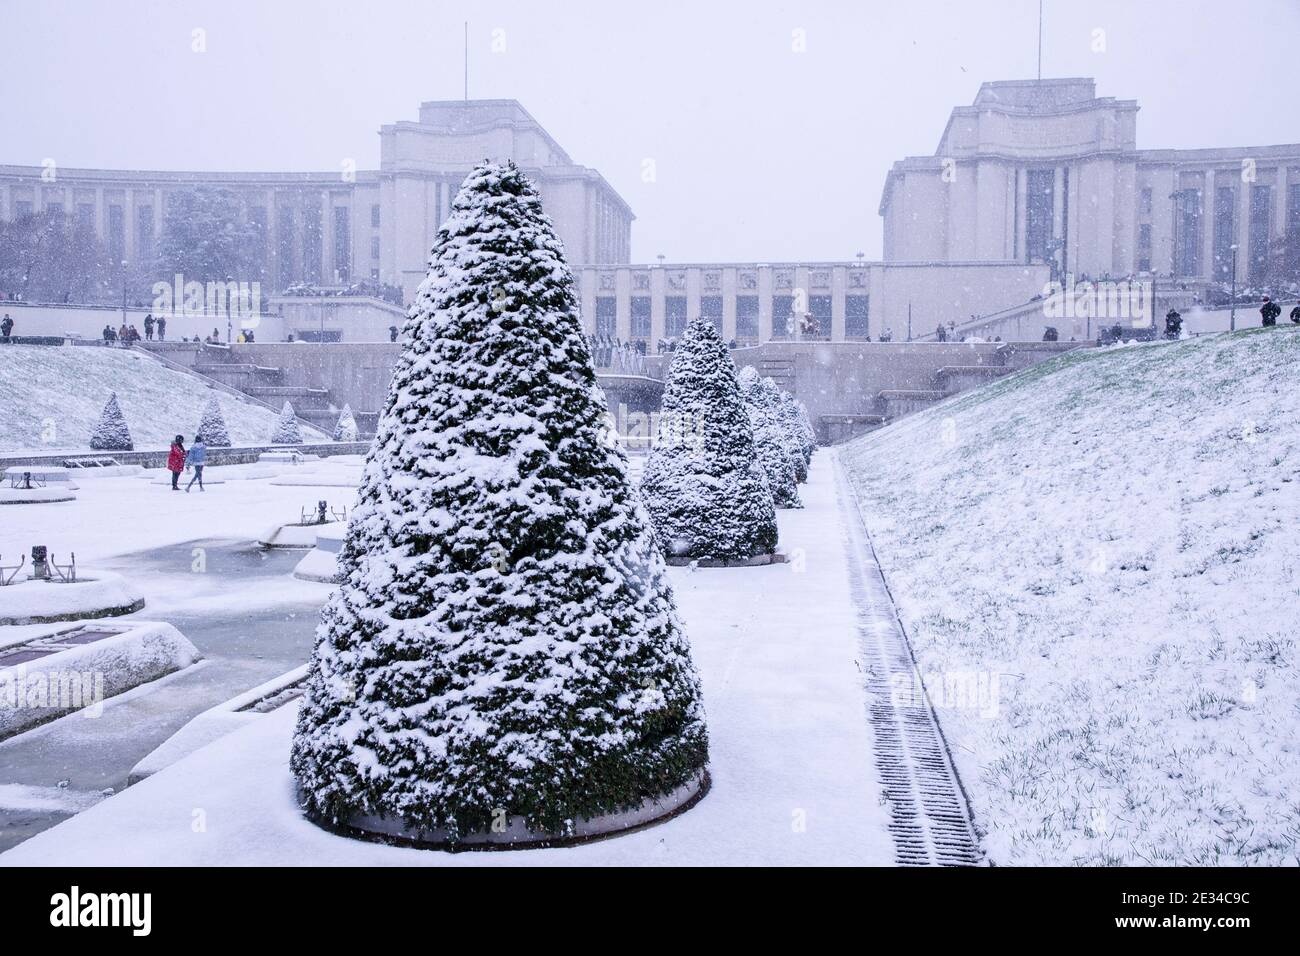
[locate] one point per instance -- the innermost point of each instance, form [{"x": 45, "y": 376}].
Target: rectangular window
[
  {"x": 261, "y": 241},
  {"x": 1040, "y": 198},
  {"x": 747, "y": 319},
  {"x": 312, "y": 240},
  {"x": 674, "y": 315},
  {"x": 1144, "y": 247},
  {"x": 606, "y": 316},
  {"x": 374, "y": 247},
  {"x": 342, "y": 244},
  {"x": 782, "y": 316},
  {"x": 1144, "y": 201},
  {"x": 856, "y": 310},
  {"x": 711, "y": 308},
  {"x": 54, "y": 209},
  {"x": 86, "y": 216},
  {"x": 819, "y": 319},
  {"x": 1292, "y": 253},
  {"x": 374, "y": 216},
  {"x": 285, "y": 233},
  {"x": 144, "y": 233},
  {"x": 1225, "y": 231},
  {"x": 22, "y": 208},
  {"x": 116, "y": 234},
  {"x": 641, "y": 317},
  {"x": 1187, "y": 228},
  {"x": 1261, "y": 222}
]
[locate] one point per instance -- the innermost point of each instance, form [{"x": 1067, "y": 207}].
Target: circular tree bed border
[
  {"x": 517, "y": 836},
  {"x": 55, "y": 496},
  {"x": 757, "y": 561}
]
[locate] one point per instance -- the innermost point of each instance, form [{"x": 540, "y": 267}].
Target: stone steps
[
  {"x": 303, "y": 398},
  {"x": 952, "y": 379}
]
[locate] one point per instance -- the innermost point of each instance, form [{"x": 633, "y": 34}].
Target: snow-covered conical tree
[
  {"x": 703, "y": 484},
  {"x": 346, "y": 429},
  {"x": 769, "y": 439},
  {"x": 111, "y": 433},
  {"x": 504, "y": 642},
  {"x": 805, "y": 423},
  {"x": 212, "y": 425},
  {"x": 794, "y": 417},
  {"x": 286, "y": 429}
]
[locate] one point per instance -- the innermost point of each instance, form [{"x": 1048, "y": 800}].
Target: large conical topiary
[
  {"x": 504, "y": 643},
  {"x": 111, "y": 433},
  {"x": 286, "y": 429},
  {"x": 346, "y": 429},
  {"x": 770, "y": 437},
  {"x": 212, "y": 425},
  {"x": 798, "y": 429},
  {"x": 703, "y": 484}
]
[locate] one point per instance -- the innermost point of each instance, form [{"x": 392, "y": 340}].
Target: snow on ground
[
  {"x": 113, "y": 516},
  {"x": 54, "y": 396},
  {"x": 1109, "y": 542},
  {"x": 791, "y": 750}
]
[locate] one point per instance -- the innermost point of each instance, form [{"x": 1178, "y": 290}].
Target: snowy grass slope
[
  {"x": 1110, "y": 542},
  {"x": 53, "y": 397}
]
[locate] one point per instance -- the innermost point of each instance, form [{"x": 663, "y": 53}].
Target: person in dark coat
[
  {"x": 109, "y": 335},
  {"x": 1295, "y": 315},
  {"x": 176, "y": 460},
  {"x": 6, "y": 327},
  {"x": 148, "y": 328},
  {"x": 392, "y": 333},
  {"x": 1050, "y": 334},
  {"x": 940, "y": 333},
  {"x": 1173, "y": 324},
  {"x": 1269, "y": 311},
  {"x": 162, "y": 328}
]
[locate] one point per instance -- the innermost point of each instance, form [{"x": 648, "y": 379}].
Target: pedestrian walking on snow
[
  {"x": 196, "y": 459},
  {"x": 176, "y": 460}
]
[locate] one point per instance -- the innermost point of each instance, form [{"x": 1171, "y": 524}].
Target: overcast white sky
[{"x": 761, "y": 152}]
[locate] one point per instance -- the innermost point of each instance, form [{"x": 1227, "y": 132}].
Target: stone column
[
  {"x": 623, "y": 304},
  {"x": 657, "y": 283},
  {"x": 839, "y": 284},
  {"x": 764, "y": 304},
  {"x": 1207, "y": 225},
  {"x": 728, "y": 290}
]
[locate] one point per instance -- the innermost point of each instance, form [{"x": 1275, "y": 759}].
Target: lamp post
[
  {"x": 123, "y": 271},
  {"x": 1232, "y": 296}
]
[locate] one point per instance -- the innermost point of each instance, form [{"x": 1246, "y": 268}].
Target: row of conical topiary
[
  {"x": 730, "y": 451},
  {"x": 112, "y": 434}
]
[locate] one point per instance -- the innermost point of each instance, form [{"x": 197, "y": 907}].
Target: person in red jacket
[{"x": 176, "y": 460}]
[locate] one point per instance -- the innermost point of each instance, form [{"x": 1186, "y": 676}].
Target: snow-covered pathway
[
  {"x": 930, "y": 814},
  {"x": 779, "y": 653}
]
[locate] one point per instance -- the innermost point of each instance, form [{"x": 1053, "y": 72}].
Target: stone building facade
[{"x": 1048, "y": 172}]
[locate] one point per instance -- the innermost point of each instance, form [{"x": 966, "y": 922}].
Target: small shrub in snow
[
  {"x": 111, "y": 433},
  {"x": 212, "y": 426},
  {"x": 703, "y": 484},
  {"x": 346, "y": 429},
  {"x": 504, "y": 640},
  {"x": 286, "y": 429},
  {"x": 770, "y": 440}
]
